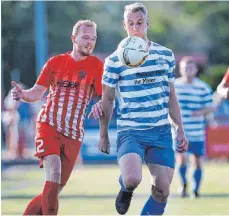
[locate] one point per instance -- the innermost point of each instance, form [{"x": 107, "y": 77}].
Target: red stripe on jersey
[
  {"x": 65, "y": 108},
  {"x": 55, "y": 106},
  {"x": 75, "y": 105},
  {"x": 45, "y": 107},
  {"x": 81, "y": 116}
]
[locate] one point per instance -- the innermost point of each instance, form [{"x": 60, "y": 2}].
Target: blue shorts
[
  {"x": 196, "y": 148},
  {"x": 152, "y": 145}
]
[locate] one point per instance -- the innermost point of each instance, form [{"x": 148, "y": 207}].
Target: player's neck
[
  {"x": 77, "y": 56},
  {"x": 188, "y": 80}
]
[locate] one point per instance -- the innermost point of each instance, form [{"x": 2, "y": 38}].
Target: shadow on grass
[{"x": 109, "y": 196}]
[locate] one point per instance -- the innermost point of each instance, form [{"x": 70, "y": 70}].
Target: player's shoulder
[
  {"x": 202, "y": 84},
  {"x": 94, "y": 59},
  {"x": 112, "y": 58},
  {"x": 58, "y": 58},
  {"x": 159, "y": 49},
  {"x": 178, "y": 81}
]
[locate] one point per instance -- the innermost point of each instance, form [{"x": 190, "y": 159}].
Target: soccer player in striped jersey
[
  {"x": 223, "y": 87},
  {"x": 72, "y": 78},
  {"x": 195, "y": 99},
  {"x": 146, "y": 96}
]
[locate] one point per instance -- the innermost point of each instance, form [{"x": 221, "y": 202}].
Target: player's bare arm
[
  {"x": 107, "y": 103},
  {"x": 223, "y": 89},
  {"x": 204, "y": 111},
  {"x": 30, "y": 95},
  {"x": 175, "y": 114},
  {"x": 96, "y": 109}
]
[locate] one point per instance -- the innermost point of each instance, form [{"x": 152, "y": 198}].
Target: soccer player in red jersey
[
  {"x": 73, "y": 79},
  {"x": 223, "y": 87}
]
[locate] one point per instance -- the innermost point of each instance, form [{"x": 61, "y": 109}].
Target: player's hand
[
  {"x": 182, "y": 145},
  {"x": 104, "y": 144},
  {"x": 16, "y": 92},
  {"x": 96, "y": 110}
]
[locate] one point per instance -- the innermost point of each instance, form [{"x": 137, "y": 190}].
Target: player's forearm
[
  {"x": 31, "y": 95},
  {"x": 107, "y": 105},
  {"x": 208, "y": 110},
  {"x": 223, "y": 91},
  {"x": 174, "y": 111}
]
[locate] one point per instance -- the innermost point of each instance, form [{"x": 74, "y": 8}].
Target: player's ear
[
  {"x": 73, "y": 37},
  {"x": 147, "y": 23},
  {"x": 124, "y": 24}
]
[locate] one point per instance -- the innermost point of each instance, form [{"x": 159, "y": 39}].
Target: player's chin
[{"x": 87, "y": 53}]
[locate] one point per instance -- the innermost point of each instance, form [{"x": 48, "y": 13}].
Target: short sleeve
[
  {"x": 111, "y": 73},
  {"x": 172, "y": 66},
  {"x": 98, "y": 78},
  {"x": 208, "y": 97},
  {"x": 44, "y": 78}
]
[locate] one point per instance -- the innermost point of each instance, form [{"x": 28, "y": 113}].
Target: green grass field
[{"x": 91, "y": 190}]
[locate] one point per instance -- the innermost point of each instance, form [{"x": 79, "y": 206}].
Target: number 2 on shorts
[{"x": 40, "y": 146}]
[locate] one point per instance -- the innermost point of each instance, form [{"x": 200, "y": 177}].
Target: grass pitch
[{"x": 91, "y": 190}]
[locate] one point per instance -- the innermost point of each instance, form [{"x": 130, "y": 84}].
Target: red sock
[
  {"x": 49, "y": 199},
  {"x": 34, "y": 207}
]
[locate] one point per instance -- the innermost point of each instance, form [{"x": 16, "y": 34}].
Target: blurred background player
[
  {"x": 223, "y": 87},
  {"x": 144, "y": 132},
  {"x": 73, "y": 78},
  {"x": 195, "y": 99}
]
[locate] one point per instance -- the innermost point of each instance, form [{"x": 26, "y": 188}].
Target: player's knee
[
  {"x": 160, "y": 194},
  {"x": 131, "y": 182}
]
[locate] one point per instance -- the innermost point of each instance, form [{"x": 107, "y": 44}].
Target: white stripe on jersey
[
  {"x": 144, "y": 114},
  {"x": 135, "y": 124},
  {"x": 145, "y": 92}
]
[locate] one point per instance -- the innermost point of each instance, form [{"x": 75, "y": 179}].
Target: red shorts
[{"x": 50, "y": 141}]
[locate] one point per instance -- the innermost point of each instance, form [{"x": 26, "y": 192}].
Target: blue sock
[
  {"x": 122, "y": 185},
  {"x": 197, "y": 179},
  {"x": 152, "y": 207},
  {"x": 182, "y": 171}
]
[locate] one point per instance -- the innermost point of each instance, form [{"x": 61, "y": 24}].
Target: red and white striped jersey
[{"x": 71, "y": 86}]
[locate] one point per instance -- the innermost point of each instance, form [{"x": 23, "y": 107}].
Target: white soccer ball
[{"x": 133, "y": 51}]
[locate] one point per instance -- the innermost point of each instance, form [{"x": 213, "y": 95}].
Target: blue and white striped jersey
[
  {"x": 193, "y": 97},
  {"x": 142, "y": 92}
]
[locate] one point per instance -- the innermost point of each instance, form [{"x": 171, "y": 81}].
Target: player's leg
[
  {"x": 197, "y": 175},
  {"x": 161, "y": 164},
  {"x": 197, "y": 150},
  {"x": 46, "y": 144},
  {"x": 182, "y": 167},
  {"x": 52, "y": 168},
  {"x": 129, "y": 156}
]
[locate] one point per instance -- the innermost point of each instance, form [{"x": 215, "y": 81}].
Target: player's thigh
[
  {"x": 129, "y": 156},
  {"x": 161, "y": 163},
  {"x": 52, "y": 168},
  {"x": 46, "y": 140},
  {"x": 161, "y": 175},
  {"x": 182, "y": 158},
  {"x": 131, "y": 168},
  {"x": 68, "y": 158},
  {"x": 197, "y": 161}
]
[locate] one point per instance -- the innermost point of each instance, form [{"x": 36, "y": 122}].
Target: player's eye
[{"x": 85, "y": 37}]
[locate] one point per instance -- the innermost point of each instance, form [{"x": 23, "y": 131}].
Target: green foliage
[
  {"x": 214, "y": 75},
  {"x": 185, "y": 27}
]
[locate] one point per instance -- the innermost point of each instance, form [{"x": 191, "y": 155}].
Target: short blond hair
[
  {"x": 80, "y": 23},
  {"x": 135, "y": 7}
]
